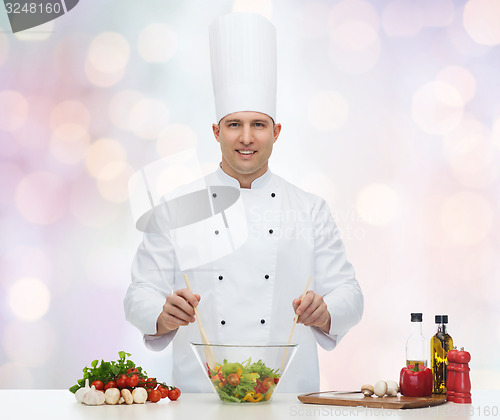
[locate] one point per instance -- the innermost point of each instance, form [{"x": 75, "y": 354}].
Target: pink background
[{"x": 390, "y": 111}]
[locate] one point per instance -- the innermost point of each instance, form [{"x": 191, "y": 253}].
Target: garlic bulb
[
  {"x": 82, "y": 391},
  {"x": 94, "y": 397}
]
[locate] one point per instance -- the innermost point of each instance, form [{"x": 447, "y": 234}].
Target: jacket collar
[{"x": 225, "y": 179}]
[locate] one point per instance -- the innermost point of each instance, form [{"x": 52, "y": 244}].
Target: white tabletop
[{"x": 61, "y": 405}]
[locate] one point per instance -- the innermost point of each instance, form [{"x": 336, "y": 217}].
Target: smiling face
[{"x": 246, "y": 140}]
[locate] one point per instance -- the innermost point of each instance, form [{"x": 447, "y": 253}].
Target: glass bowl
[{"x": 244, "y": 374}]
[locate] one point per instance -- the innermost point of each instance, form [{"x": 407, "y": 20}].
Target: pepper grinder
[
  {"x": 450, "y": 376},
  {"x": 461, "y": 384}
]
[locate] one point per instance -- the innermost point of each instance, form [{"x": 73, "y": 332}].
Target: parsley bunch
[{"x": 109, "y": 371}]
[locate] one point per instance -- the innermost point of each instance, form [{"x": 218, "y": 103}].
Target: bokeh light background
[{"x": 390, "y": 111}]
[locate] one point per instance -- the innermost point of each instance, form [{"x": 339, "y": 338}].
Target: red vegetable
[
  {"x": 260, "y": 388},
  {"x": 151, "y": 383},
  {"x": 99, "y": 385},
  {"x": 173, "y": 394},
  {"x": 121, "y": 382},
  {"x": 154, "y": 396},
  {"x": 133, "y": 381},
  {"x": 415, "y": 381},
  {"x": 163, "y": 391},
  {"x": 110, "y": 384},
  {"x": 233, "y": 379},
  {"x": 267, "y": 383}
]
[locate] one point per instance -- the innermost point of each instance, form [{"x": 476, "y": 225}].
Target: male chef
[{"x": 251, "y": 295}]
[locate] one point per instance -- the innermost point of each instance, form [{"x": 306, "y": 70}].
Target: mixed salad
[{"x": 243, "y": 382}]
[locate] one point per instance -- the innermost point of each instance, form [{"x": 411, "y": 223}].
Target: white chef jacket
[{"x": 246, "y": 297}]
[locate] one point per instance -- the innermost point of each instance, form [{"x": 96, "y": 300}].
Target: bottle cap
[
  {"x": 416, "y": 317},
  {"x": 441, "y": 319}
]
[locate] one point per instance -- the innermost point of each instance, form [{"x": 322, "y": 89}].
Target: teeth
[{"x": 246, "y": 152}]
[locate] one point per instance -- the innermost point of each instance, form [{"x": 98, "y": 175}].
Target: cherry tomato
[
  {"x": 132, "y": 370},
  {"x": 173, "y": 394},
  {"x": 99, "y": 385},
  {"x": 154, "y": 396},
  {"x": 267, "y": 382},
  {"x": 133, "y": 381},
  {"x": 233, "y": 379},
  {"x": 110, "y": 384},
  {"x": 276, "y": 380},
  {"x": 151, "y": 383},
  {"x": 121, "y": 382},
  {"x": 163, "y": 391}
]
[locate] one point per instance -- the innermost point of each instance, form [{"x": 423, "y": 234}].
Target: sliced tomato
[
  {"x": 233, "y": 379},
  {"x": 267, "y": 383},
  {"x": 259, "y": 387}
]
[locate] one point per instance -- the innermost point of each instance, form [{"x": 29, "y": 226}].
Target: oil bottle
[
  {"x": 441, "y": 342},
  {"x": 416, "y": 343}
]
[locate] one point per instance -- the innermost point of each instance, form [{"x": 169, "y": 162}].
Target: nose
[{"x": 246, "y": 135}]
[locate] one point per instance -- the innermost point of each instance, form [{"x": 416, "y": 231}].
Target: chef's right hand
[{"x": 178, "y": 310}]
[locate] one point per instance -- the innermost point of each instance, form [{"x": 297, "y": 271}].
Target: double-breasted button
[
  {"x": 220, "y": 277},
  {"x": 216, "y": 232},
  {"x": 214, "y": 195},
  {"x": 262, "y": 321},
  {"x": 273, "y": 195},
  {"x": 223, "y": 322},
  {"x": 271, "y": 231},
  {"x": 266, "y": 276}
]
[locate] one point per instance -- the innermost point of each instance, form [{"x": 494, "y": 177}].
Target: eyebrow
[{"x": 253, "y": 121}]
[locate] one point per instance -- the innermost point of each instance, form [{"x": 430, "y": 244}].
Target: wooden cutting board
[{"x": 357, "y": 399}]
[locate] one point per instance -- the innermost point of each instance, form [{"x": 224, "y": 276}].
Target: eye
[
  {"x": 233, "y": 124},
  {"x": 259, "y": 124}
]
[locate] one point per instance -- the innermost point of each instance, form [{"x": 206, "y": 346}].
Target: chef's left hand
[{"x": 312, "y": 311}]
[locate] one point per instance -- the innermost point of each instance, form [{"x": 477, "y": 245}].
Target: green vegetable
[
  {"x": 107, "y": 371},
  {"x": 251, "y": 376}
]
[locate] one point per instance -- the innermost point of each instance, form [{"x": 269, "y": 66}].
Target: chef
[{"x": 251, "y": 295}]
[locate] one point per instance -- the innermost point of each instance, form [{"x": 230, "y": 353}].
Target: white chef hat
[{"x": 243, "y": 61}]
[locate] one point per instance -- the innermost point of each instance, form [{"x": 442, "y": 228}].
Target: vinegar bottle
[
  {"x": 415, "y": 345},
  {"x": 441, "y": 343}
]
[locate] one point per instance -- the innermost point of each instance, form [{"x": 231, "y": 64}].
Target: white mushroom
[
  {"x": 367, "y": 390},
  {"x": 380, "y": 388},
  {"x": 392, "y": 388},
  {"x": 121, "y": 401},
  {"x": 140, "y": 395},
  {"x": 112, "y": 395},
  {"x": 127, "y": 396}
]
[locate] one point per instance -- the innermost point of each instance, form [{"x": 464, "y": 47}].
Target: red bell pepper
[{"x": 415, "y": 381}]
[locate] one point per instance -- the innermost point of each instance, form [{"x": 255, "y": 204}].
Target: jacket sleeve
[
  {"x": 153, "y": 277},
  {"x": 334, "y": 279}
]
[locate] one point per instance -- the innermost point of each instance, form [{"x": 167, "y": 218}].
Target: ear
[
  {"x": 216, "y": 130},
  {"x": 276, "y": 131}
]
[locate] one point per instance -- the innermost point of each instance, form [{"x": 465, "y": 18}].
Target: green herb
[{"x": 108, "y": 371}]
